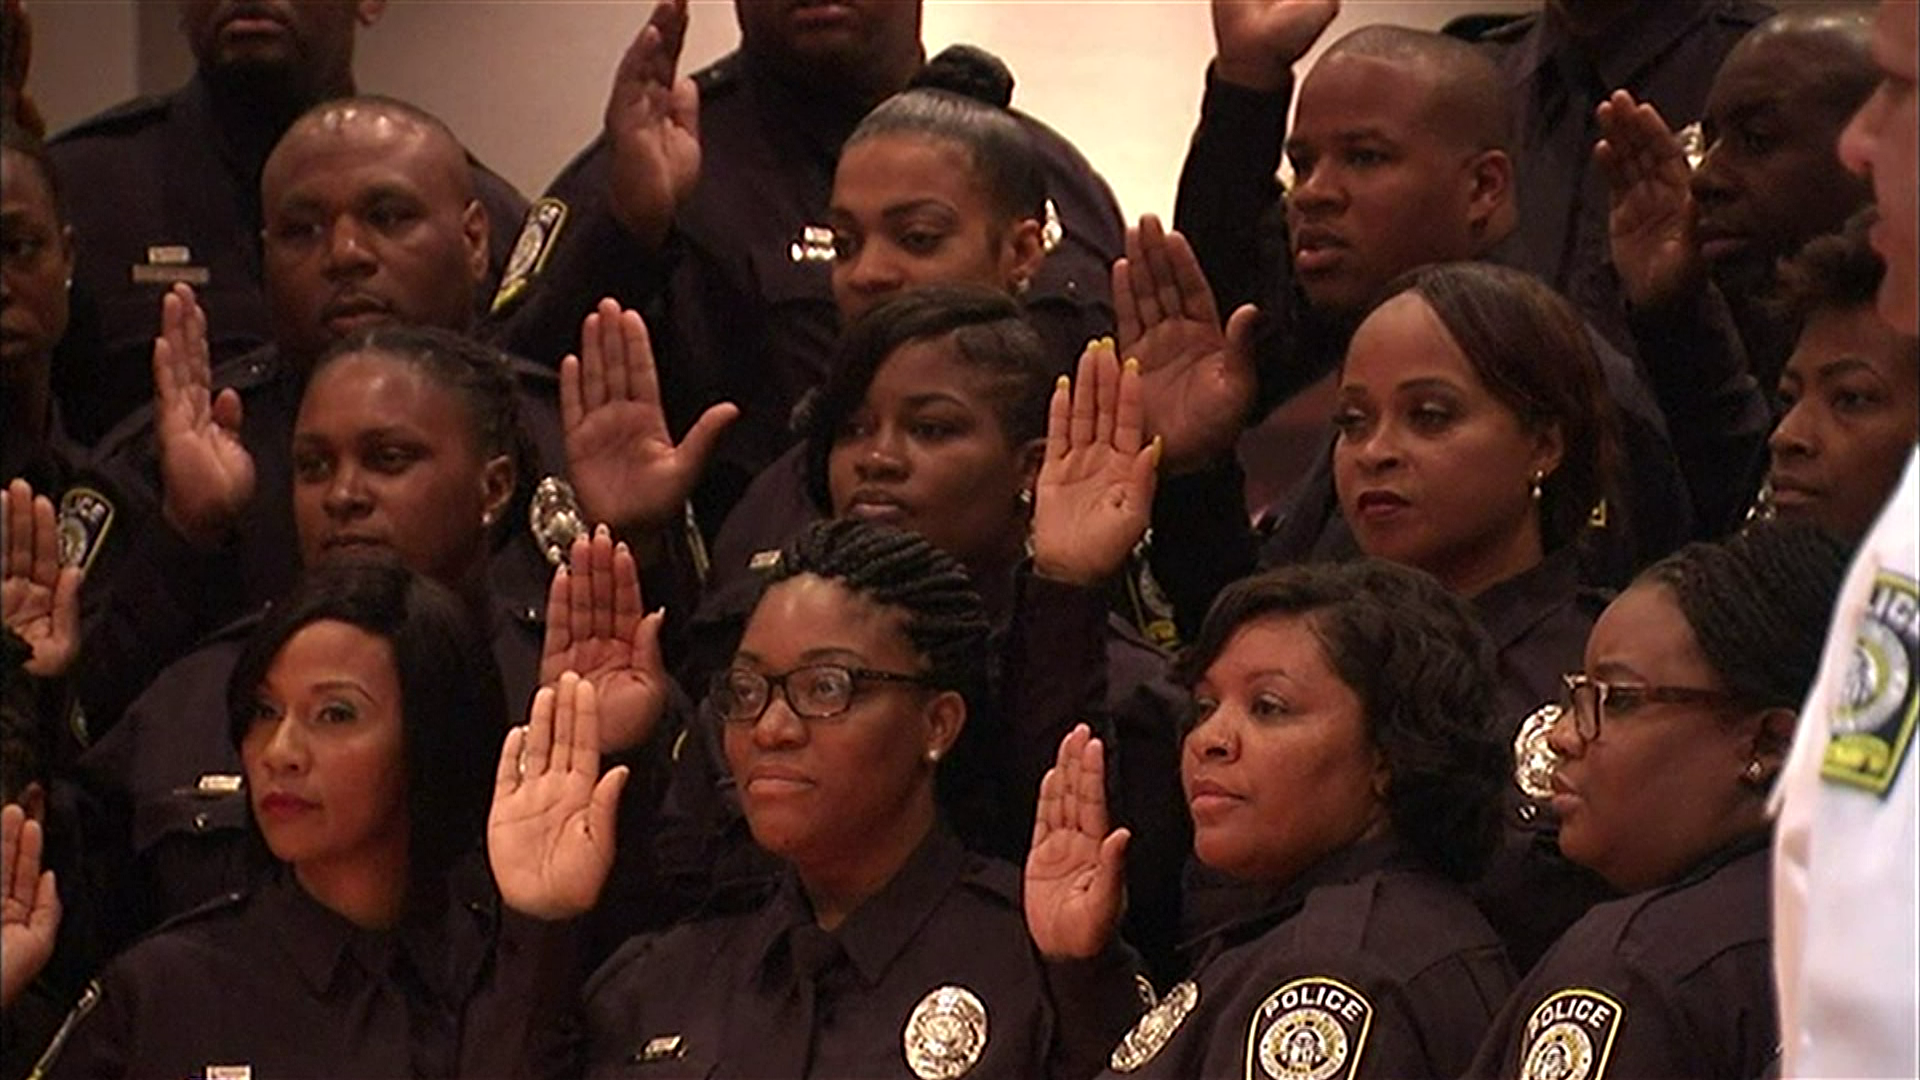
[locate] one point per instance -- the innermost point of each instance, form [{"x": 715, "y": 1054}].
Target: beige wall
[{"x": 523, "y": 81}]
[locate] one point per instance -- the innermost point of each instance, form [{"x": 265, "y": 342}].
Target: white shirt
[{"x": 1846, "y": 875}]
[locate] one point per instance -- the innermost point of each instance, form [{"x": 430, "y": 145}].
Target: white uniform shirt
[{"x": 1847, "y": 843}]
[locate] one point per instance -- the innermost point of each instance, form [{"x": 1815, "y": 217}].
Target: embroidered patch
[
  {"x": 1310, "y": 1029},
  {"x": 1570, "y": 1035},
  {"x": 1873, "y": 721},
  {"x": 945, "y": 1033},
  {"x": 85, "y": 518},
  {"x": 1155, "y": 1027},
  {"x": 538, "y": 232}
]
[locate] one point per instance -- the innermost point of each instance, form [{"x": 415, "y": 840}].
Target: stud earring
[
  {"x": 933, "y": 756},
  {"x": 1026, "y": 498},
  {"x": 1539, "y": 476},
  {"x": 1754, "y": 773}
]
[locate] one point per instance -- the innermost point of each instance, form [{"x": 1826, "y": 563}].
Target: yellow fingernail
[
  {"x": 1132, "y": 365},
  {"x": 1062, "y": 383},
  {"x": 1159, "y": 449}
]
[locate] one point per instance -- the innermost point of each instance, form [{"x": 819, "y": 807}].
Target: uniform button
[
  {"x": 200, "y": 821},
  {"x": 1528, "y": 812}
]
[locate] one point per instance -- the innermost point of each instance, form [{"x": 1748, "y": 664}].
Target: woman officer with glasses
[
  {"x": 1667, "y": 746},
  {"x": 886, "y": 949}
]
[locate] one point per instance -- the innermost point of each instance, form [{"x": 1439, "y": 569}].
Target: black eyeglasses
[
  {"x": 1587, "y": 697},
  {"x": 813, "y": 692}
]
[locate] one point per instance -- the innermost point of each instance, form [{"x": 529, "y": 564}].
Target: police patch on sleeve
[
  {"x": 1154, "y": 1028},
  {"x": 1570, "y": 1035},
  {"x": 538, "y": 232},
  {"x": 945, "y": 1033},
  {"x": 1310, "y": 1029},
  {"x": 1872, "y": 725},
  {"x": 85, "y": 517}
]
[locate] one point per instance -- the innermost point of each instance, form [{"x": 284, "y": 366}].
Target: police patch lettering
[
  {"x": 1309, "y": 1029},
  {"x": 945, "y": 1034},
  {"x": 1570, "y": 1035},
  {"x": 1155, "y": 1027},
  {"x": 85, "y": 517},
  {"x": 539, "y": 231},
  {"x": 1872, "y": 726}
]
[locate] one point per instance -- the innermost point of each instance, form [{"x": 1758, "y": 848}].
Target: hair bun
[{"x": 970, "y": 71}]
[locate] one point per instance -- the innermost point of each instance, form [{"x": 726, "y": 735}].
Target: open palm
[
  {"x": 1094, "y": 496},
  {"x": 1197, "y": 378},
  {"x": 39, "y": 598},
  {"x": 206, "y": 470},
  {"x": 1650, "y": 223},
  {"x": 1074, "y": 888},
  {"x": 595, "y": 628},
  {"x": 550, "y": 832},
  {"x": 653, "y": 126}
]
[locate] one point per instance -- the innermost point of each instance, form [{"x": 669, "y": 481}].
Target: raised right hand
[
  {"x": 39, "y": 598},
  {"x": 1094, "y": 496},
  {"x": 653, "y": 127},
  {"x": 1650, "y": 224},
  {"x": 1197, "y": 381},
  {"x": 1257, "y": 42},
  {"x": 1075, "y": 889},
  {"x": 550, "y": 832},
  {"x": 29, "y": 904},
  {"x": 206, "y": 469}
]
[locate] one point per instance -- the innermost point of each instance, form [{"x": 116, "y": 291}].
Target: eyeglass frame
[
  {"x": 1586, "y": 723},
  {"x": 856, "y": 675}
]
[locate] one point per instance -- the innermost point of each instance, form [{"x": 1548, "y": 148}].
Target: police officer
[
  {"x": 1339, "y": 762},
  {"x": 371, "y": 218},
  {"x": 721, "y": 233},
  {"x": 366, "y": 710},
  {"x": 185, "y": 206},
  {"x": 887, "y": 949},
  {"x": 1670, "y": 741}
]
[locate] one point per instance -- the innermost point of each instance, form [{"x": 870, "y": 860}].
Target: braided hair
[
  {"x": 1758, "y": 603},
  {"x": 480, "y": 376},
  {"x": 947, "y": 623}
]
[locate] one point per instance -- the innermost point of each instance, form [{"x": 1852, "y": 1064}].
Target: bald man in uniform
[
  {"x": 183, "y": 201},
  {"x": 371, "y": 215}
]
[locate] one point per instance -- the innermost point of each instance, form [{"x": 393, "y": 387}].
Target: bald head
[
  {"x": 1464, "y": 98},
  {"x": 1828, "y": 54},
  {"x": 370, "y": 217}
]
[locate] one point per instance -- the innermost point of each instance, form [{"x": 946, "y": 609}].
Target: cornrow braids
[
  {"x": 946, "y": 619},
  {"x": 483, "y": 379},
  {"x": 947, "y": 624},
  {"x": 1758, "y": 604}
]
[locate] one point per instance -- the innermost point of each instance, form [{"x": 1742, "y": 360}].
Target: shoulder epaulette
[{"x": 226, "y": 901}]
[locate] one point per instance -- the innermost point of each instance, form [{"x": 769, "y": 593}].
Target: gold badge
[
  {"x": 1533, "y": 760},
  {"x": 1570, "y": 1035},
  {"x": 1143, "y": 1043},
  {"x": 945, "y": 1034},
  {"x": 1873, "y": 722},
  {"x": 813, "y": 245},
  {"x": 1309, "y": 1029},
  {"x": 661, "y": 1048},
  {"x": 538, "y": 232},
  {"x": 555, "y": 518}
]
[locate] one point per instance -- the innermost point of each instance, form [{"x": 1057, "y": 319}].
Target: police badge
[
  {"x": 945, "y": 1034},
  {"x": 541, "y": 228},
  {"x": 1533, "y": 760},
  {"x": 1153, "y": 1030},
  {"x": 1570, "y": 1035},
  {"x": 555, "y": 519},
  {"x": 1310, "y": 1029},
  {"x": 1874, "y": 719},
  {"x": 85, "y": 517}
]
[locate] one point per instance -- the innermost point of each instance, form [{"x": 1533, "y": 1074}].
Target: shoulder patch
[
  {"x": 945, "y": 1034},
  {"x": 1310, "y": 1029},
  {"x": 1570, "y": 1036},
  {"x": 1155, "y": 1027},
  {"x": 86, "y": 516},
  {"x": 1873, "y": 722},
  {"x": 89, "y": 998},
  {"x": 538, "y": 232}
]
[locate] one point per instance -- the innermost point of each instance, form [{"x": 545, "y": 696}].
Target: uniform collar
[
  {"x": 1510, "y": 608},
  {"x": 320, "y": 942},
  {"x": 1349, "y": 864},
  {"x": 880, "y": 929}
]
